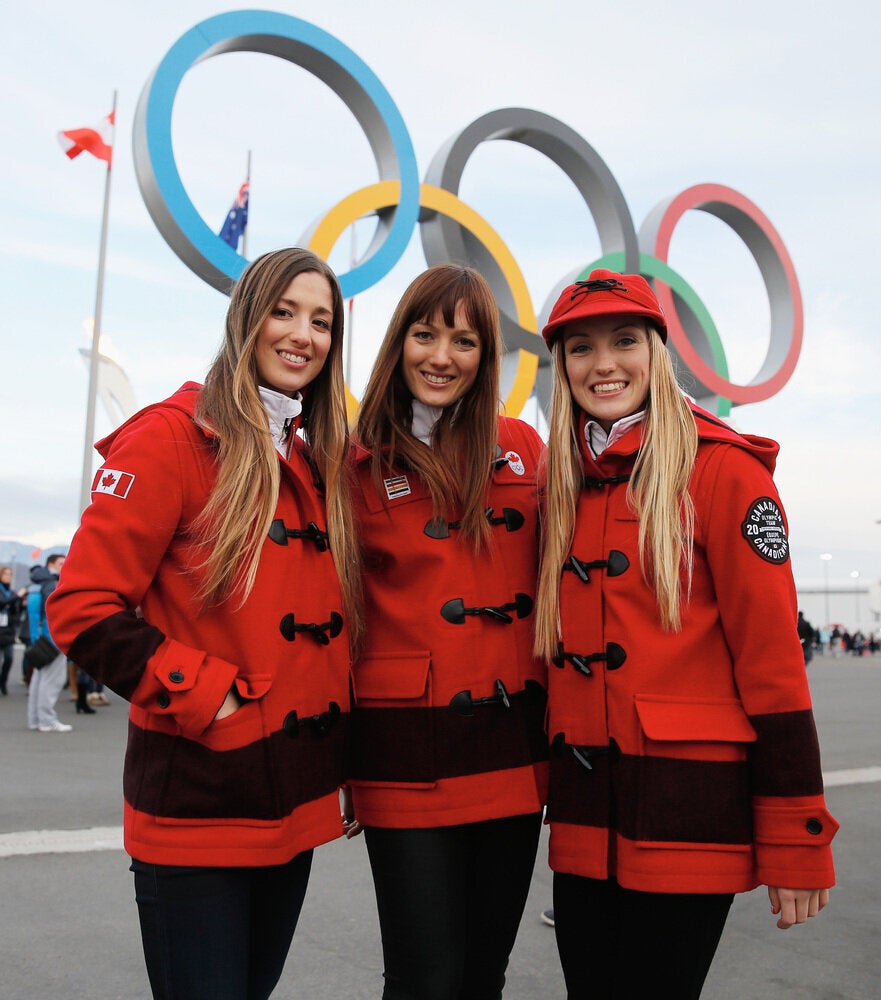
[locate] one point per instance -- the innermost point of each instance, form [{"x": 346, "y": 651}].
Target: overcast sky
[{"x": 778, "y": 100}]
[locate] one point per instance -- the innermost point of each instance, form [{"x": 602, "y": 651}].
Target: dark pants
[
  {"x": 218, "y": 933},
  {"x": 613, "y": 940},
  {"x": 450, "y": 901},
  {"x": 5, "y": 665}
]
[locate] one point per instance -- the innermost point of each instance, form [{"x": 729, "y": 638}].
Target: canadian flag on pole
[{"x": 97, "y": 141}]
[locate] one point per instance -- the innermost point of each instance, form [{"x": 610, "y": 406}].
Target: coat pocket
[
  {"x": 393, "y": 741},
  {"x": 689, "y": 786},
  {"x": 224, "y": 778},
  {"x": 393, "y": 679},
  {"x": 701, "y": 728}
]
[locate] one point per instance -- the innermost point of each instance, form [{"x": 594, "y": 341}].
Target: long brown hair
[
  {"x": 456, "y": 469},
  {"x": 657, "y": 492},
  {"x": 242, "y": 504}
]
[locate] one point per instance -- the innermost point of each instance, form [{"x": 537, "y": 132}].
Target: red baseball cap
[{"x": 605, "y": 293}]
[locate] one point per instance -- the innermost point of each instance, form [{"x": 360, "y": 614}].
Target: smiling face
[
  {"x": 607, "y": 363},
  {"x": 439, "y": 362},
  {"x": 295, "y": 338}
]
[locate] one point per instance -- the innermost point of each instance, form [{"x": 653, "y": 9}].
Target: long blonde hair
[
  {"x": 236, "y": 519},
  {"x": 657, "y": 492},
  {"x": 457, "y": 468}
]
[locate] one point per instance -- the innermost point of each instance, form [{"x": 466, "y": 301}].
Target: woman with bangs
[
  {"x": 214, "y": 583},
  {"x": 684, "y": 758},
  {"x": 448, "y": 772}
]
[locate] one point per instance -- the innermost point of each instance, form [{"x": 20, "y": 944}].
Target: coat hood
[
  {"x": 712, "y": 428},
  {"x": 184, "y": 399}
]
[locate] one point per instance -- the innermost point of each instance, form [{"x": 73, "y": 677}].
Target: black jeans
[
  {"x": 612, "y": 940},
  {"x": 6, "y": 664},
  {"x": 218, "y": 933},
  {"x": 450, "y": 901}
]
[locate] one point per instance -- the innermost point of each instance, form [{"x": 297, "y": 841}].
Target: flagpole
[
  {"x": 86, "y": 484},
  {"x": 245, "y": 230},
  {"x": 352, "y": 261}
]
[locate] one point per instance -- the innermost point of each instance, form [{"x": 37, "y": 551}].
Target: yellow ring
[{"x": 386, "y": 194}]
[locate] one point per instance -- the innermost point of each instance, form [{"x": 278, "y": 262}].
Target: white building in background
[{"x": 851, "y": 607}]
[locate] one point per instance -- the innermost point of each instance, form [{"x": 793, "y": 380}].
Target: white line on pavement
[
  {"x": 98, "y": 838},
  {"x": 855, "y": 776}
]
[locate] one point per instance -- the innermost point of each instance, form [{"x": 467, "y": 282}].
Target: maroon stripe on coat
[
  {"x": 576, "y": 795},
  {"x": 655, "y": 799},
  {"x": 176, "y": 778},
  {"x": 115, "y": 651},
  {"x": 426, "y": 744},
  {"x": 786, "y": 756}
]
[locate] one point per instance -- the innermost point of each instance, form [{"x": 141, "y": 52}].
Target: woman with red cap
[
  {"x": 684, "y": 758},
  {"x": 449, "y": 753}
]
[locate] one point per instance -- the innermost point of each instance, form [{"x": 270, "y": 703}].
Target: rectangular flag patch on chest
[
  {"x": 396, "y": 487},
  {"x": 113, "y": 481}
]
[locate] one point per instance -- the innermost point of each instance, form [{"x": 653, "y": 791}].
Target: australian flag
[{"x": 237, "y": 218}]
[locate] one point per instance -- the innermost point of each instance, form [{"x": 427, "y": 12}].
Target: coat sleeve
[
  {"x": 745, "y": 534},
  {"x": 122, "y": 541}
]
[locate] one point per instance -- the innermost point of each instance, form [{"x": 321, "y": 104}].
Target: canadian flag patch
[{"x": 113, "y": 481}]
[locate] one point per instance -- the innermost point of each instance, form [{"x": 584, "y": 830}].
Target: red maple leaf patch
[{"x": 108, "y": 480}]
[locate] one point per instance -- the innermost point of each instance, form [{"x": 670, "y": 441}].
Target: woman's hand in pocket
[{"x": 231, "y": 703}]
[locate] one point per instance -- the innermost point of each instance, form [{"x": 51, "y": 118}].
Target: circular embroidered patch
[
  {"x": 765, "y": 531},
  {"x": 515, "y": 462}
]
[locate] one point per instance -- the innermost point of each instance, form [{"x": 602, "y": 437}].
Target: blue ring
[{"x": 319, "y": 53}]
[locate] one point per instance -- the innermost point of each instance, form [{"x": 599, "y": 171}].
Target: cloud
[{"x": 44, "y": 512}]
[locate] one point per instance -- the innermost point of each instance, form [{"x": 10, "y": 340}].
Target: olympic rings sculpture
[{"x": 452, "y": 230}]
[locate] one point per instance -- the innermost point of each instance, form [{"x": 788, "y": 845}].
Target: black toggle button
[
  {"x": 614, "y": 657},
  {"x": 618, "y": 563},
  {"x": 289, "y": 627},
  {"x": 585, "y": 755},
  {"x": 176, "y": 677},
  {"x": 319, "y": 724},
  {"x": 615, "y": 565},
  {"x": 455, "y": 612},
  {"x": 463, "y": 704},
  {"x": 595, "y": 483},
  {"x": 510, "y": 517},
  {"x": 163, "y": 700},
  {"x": 814, "y": 827},
  {"x": 280, "y": 534}
]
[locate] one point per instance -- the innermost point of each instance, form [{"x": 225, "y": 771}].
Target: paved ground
[{"x": 68, "y": 925}]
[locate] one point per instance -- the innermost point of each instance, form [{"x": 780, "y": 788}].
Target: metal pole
[
  {"x": 245, "y": 230},
  {"x": 826, "y": 556},
  {"x": 86, "y": 483},
  {"x": 353, "y": 256}
]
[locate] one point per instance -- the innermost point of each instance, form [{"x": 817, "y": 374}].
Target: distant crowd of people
[
  {"x": 836, "y": 639},
  {"x": 45, "y": 670}
]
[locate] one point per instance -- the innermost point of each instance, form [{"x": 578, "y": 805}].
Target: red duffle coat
[
  {"x": 261, "y": 785},
  {"x": 686, "y": 761},
  {"x": 424, "y": 752}
]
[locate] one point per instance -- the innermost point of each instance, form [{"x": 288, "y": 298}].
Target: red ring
[{"x": 715, "y": 199}]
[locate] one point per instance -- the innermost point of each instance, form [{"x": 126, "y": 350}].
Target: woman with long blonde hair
[
  {"x": 448, "y": 765},
  {"x": 684, "y": 759},
  {"x": 215, "y": 584}
]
